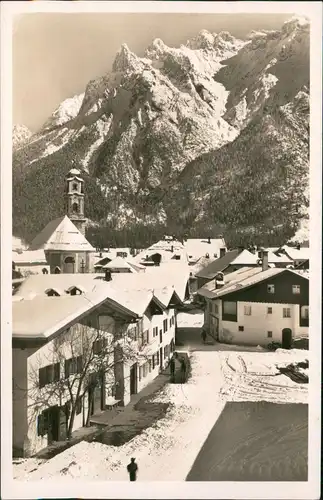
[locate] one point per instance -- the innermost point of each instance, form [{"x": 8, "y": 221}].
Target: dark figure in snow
[
  {"x": 203, "y": 335},
  {"x": 132, "y": 470}
]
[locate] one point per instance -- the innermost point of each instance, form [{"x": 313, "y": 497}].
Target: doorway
[
  {"x": 53, "y": 415},
  {"x": 97, "y": 395},
  {"x": 133, "y": 379},
  {"x": 161, "y": 357},
  {"x": 287, "y": 338},
  {"x": 69, "y": 265}
]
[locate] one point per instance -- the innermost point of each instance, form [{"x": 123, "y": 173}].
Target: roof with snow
[
  {"x": 167, "y": 248},
  {"x": 119, "y": 263},
  {"x": 197, "y": 248},
  {"x": 218, "y": 265},
  {"x": 302, "y": 253},
  {"x": 244, "y": 279},
  {"x": 29, "y": 257},
  {"x": 61, "y": 234},
  {"x": 38, "y": 284}
]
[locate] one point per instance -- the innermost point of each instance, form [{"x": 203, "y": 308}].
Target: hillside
[{"x": 212, "y": 135}]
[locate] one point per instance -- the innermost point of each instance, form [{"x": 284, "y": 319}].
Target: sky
[{"x": 56, "y": 55}]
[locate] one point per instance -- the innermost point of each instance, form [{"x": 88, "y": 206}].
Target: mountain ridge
[{"x": 136, "y": 132}]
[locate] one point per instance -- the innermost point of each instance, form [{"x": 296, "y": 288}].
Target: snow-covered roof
[
  {"x": 245, "y": 258},
  {"x": 29, "y": 257},
  {"x": 38, "y": 284},
  {"x": 167, "y": 250},
  {"x": 218, "y": 265},
  {"x": 302, "y": 253},
  {"x": 246, "y": 279},
  {"x": 197, "y": 248},
  {"x": 61, "y": 234},
  {"x": 118, "y": 263}
]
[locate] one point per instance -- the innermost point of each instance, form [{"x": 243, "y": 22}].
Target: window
[
  {"x": 286, "y": 312},
  {"x": 75, "y": 208},
  {"x": 133, "y": 333},
  {"x": 269, "y": 335},
  {"x": 230, "y": 308},
  {"x": 153, "y": 361},
  {"x": 145, "y": 369},
  {"x": 247, "y": 310},
  {"x": 145, "y": 337},
  {"x": 155, "y": 331},
  {"x": 75, "y": 187},
  {"x": 241, "y": 328},
  {"x": 73, "y": 366},
  {"x": 296, "y": 288},
  {"x": 304, "y": 312},
  {"x": 271, "y": 288},
  {"x": 99, "y": 345},
  {"x": 42, "y": 423},
  {"x": 269, "y": 310},
  {"x": 49, "y": 374},
  {"x": 165, "y": 325},
  {"x": 140, "y": 373}
]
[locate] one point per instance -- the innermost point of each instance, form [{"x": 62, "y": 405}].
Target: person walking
[
  {"x": 203, "y": 335},
  {"x": 183, "y": 370},
  {"x": 132, "y": 469}
]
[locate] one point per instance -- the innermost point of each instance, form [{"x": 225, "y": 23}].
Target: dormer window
[
  {"x": 52, "y": 292},
  {"x": 75, "y": 290}
]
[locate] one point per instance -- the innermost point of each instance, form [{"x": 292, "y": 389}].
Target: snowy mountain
[
  {"x": 20, "y": 135},
  {"x": 178, "y": 136}
]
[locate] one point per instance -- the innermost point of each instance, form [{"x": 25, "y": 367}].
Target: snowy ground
[{"x": 171, "y": 445}]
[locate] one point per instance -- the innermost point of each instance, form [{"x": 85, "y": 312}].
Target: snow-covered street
[{"x": 221, "y": 374}]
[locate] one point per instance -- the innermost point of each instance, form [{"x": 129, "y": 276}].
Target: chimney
[
  {"x": 107, "y": 275},
  {"x": 222, "y": 252},
  {"x": 219, "y": 281},
  {"x": 298, "y": 246},
  {"x": 172, "y": 248},
  {"x": 209, "y": 239},
  {"x": 265, "y": 260}
]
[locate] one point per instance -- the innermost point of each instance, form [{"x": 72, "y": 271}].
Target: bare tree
[{"x": 72, "y": 365}]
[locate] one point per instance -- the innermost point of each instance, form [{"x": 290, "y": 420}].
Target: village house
[
  {"x": 162, "y": 252},
  {"x": 298, "y": 255},
  {"x": 257, "y": 305},
  {"x": 48, "y": 309},
  {"x": 209, "y": 248},
  {"x": 30, "y": 262}
]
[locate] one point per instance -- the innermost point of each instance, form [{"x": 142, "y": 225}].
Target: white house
[
  {"x": 162, "y": 252},
  {"x": 29, "y": 262},
  {"x": 256, "y": 306},
  {"x": 137, "y": 319},
  {"x": 198, "y": 248}
]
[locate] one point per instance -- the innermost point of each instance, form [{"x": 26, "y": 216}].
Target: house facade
[
  {"x": 259, "y": 308},
  {"x": 138, "y": 326}
]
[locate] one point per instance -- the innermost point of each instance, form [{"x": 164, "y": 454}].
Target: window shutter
[
  {"x": 153, "y": 361},
  {"x": 67, "y": 367},
  {"x": 57, "y": 369},
  {"x": 40, "y": 425},
  {"x": 79, "y": 364}
]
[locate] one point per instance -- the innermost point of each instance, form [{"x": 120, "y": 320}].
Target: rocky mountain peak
[
  {"x": 20, "y": 135},
  {"x": 173, "y": 137}
]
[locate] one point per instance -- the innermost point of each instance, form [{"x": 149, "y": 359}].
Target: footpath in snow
[{"x": 172, "y": 444}]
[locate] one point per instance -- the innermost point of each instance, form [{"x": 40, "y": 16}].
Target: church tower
[{"x": 74, "y": 199}]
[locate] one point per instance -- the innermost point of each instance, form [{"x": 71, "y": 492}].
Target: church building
[{"x": 63, "y": 239}]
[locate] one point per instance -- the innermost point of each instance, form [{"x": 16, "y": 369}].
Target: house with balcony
[{"x": 257, "y": 306}]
